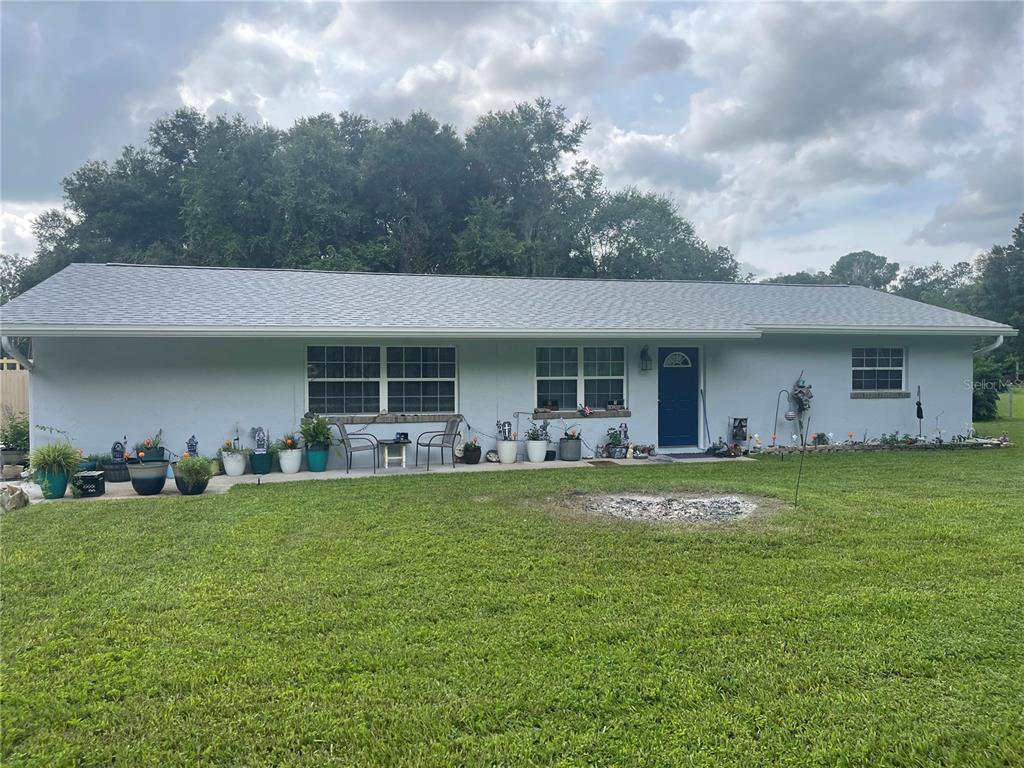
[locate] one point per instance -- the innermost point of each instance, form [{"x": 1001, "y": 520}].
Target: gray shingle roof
[{"x": 122, "y": 299}]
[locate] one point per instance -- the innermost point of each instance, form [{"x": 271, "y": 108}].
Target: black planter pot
[
  {"x": 115, "y": 472},
  {"x": 148, "y": 477},
  {"x": 471, "y": 455},
  {"x": 190, "y": 489}
]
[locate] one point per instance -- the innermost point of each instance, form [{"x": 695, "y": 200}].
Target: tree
[
  {"x": 803, "y": 278},
  {"x": 864, "y": 268},
  {"x": 344, "y": 192},
  {"x": 1001, "y": 285},
  {"x": 947, "y": 287},
  {"x": 517, "y": 154},
  {"x": 12, "y": 268}
]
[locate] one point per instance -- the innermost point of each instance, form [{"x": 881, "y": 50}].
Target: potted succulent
[
  {"x": 570, "y": 447},
  {"x": 471, "y": 451},
  {"x": 53, "y": 465},
  {"x": 192, "y": 474},
  {"x": 316, "y": 434},
  {"x": 13, "y": 437},
  {"x": 151, "y": 449},
  {"x": 536, "y": 444},
  {"x": 289, "y": 455},
  {"x": 233, "y": 458}
]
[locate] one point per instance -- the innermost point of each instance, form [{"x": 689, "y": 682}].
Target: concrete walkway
[{"x": 222, "y": 483}]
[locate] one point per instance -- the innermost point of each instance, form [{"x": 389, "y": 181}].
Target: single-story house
[{"x": 124, "y": 349}]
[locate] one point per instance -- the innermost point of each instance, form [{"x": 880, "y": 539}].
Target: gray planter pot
[{"x": 570, "y": 450}]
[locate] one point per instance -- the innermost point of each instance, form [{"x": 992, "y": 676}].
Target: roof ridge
[{"x": 452, "y": 275}]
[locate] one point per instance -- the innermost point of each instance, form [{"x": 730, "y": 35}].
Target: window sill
[
  {"x": 394, "y": 418},
  {"x": 879, "y": 395},
  {"x": 618, "y": 413}
]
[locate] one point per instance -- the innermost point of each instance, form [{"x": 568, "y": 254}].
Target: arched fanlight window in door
[{"x": 677, "y": 360}]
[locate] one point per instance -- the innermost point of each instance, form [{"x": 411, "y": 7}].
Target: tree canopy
[{"x": 509, "y": 197}]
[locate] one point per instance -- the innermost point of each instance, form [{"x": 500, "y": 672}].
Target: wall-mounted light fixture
[{"x": 645, "y": 360}]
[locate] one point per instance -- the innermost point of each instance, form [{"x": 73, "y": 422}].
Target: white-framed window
[
  {"x": 562, "y": 380},
  {"x": 421, "y": 379},
  {"x": 878, "y": 369},
  {"x": 345, "y": 380}
]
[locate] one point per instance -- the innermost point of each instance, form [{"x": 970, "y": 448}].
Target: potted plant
[
  {"x": 147, "y": 470},
  {"x": 471, "y": 451},
  {"x": 316, "y": 434},
  {"x": 614, "y": 444},
  {"x": 289, "y": 455},
  {"x": 192, "y": 474},
  {"x": 53, "y": 465},
  {"x": 570, "y": 447},
  {"x": 13, "y": 437},
  {"x": 90, "y": 462},
  {"x": 233, "y": 458},
  {"x": 262, "y": 463},
  {"x": 151, "y": 448},
  {"x": 507, "y": 450},
  {"x": 536, "y": 444}
]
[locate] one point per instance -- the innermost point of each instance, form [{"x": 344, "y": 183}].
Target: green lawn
[{"x": 463, "y": 620}]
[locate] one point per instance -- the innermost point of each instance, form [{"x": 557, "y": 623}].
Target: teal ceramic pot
[
  {"x": 153, "y": 454},
  {"x": 148, "y": 477},
  {"x": 316, "y": 458},
  {"x": 260, "y": 463},
  {"x": 53, "y": 484}
]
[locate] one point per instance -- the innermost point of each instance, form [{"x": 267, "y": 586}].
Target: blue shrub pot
[
  {"x": 260, "y": 463},
  {"x": 316, "y": 458},
  {"x": 148, "y": 477},
  {"x": 53, "y": 484}
]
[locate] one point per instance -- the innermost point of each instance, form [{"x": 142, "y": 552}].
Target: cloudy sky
[{"x": 793, "y": 133}]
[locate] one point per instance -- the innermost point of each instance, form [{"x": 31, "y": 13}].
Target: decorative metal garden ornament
[
  {"x": 192, "y": 446},
  {"x": 117, "y": 451},
  {"x": 259, "y": 438}
]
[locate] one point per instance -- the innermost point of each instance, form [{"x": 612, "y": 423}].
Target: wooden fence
[{"x": 13, "y": 387}]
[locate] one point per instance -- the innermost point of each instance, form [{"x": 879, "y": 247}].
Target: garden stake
[{"x": 800, "y": 469}]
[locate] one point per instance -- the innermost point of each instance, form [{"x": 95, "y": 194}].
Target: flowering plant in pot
[
  {"x": 570, "y": 446},
  {"x": 316, "y": 434},
  {"x": 53, "y": 465},
  {"x": 13, "y": 436},
  {"x": 289, "y": 455},
  {"x": 233, "y": 458},
  {"x": 192, "y": 474},
  {"x": 471, "y": 451},
  {"x": 151, "y": 449},
  {"x": 536, "y": 444}
]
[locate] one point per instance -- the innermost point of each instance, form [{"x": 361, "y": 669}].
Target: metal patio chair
[
  {"x": 347, "y": 441},
  {"x": 444, "y": 439}
]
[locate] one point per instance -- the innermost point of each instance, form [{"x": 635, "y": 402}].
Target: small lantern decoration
[
  {"x": 645, "y": 360},
  {"x": 117, "y": 451},
  {"x": 192, "y": 446}
]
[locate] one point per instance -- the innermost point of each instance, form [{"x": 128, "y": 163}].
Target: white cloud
[{"x": 16, "y": 221}]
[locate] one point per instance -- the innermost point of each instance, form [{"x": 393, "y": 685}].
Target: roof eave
[
  {"x": 893, "y": 330},
  {"x": 307, "y": 332}
]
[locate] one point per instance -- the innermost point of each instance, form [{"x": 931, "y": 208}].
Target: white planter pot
[
  {"x": 234, "y": 464},
  {"x": 536, "y": 450},
  {"x": 507, "y": 451},
  {"x": 290, "y": 460}
]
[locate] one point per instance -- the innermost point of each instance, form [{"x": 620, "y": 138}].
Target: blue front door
[{"x": 678, "y": 392}]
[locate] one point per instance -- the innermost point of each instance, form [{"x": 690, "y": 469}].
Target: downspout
[
  {"x": 8, "y": 346},
  {"x": 990, "y": 347}
]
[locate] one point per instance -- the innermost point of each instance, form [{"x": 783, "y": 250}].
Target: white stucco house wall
[{"x": 130, "y": 349}]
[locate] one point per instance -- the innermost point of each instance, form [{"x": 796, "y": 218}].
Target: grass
[{"x": 464, "y": 620}]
